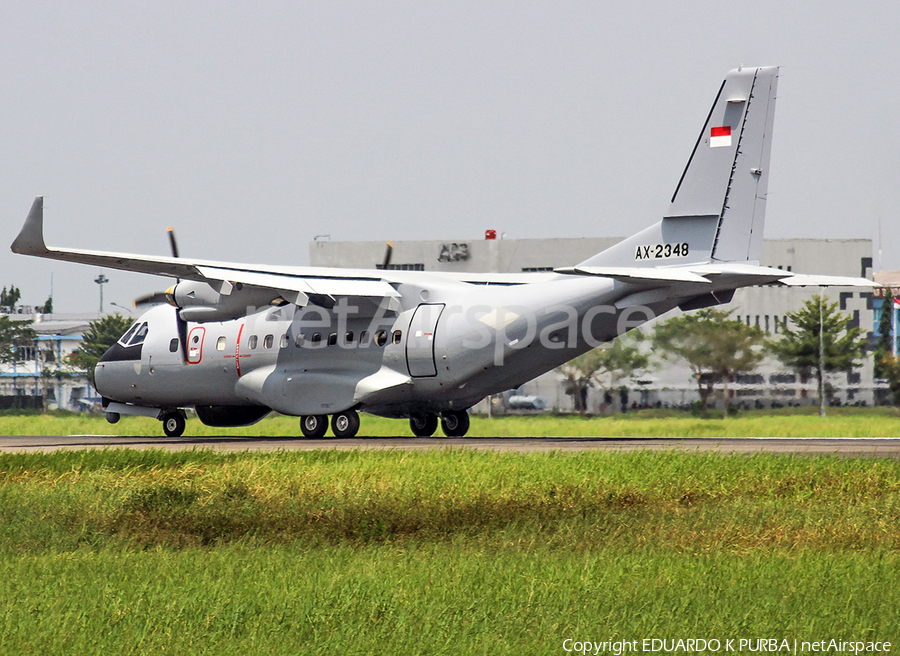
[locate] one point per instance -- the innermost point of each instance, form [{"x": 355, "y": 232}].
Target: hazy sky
[{"x": 253, "y": 127}]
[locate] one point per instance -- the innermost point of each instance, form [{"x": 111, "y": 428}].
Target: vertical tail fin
[{"x": 718, "y": 208}]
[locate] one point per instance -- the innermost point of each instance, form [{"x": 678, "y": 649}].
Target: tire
[
  {"x": 345, "y": 424},
  {"x": 113, "y": 417},
  {"x": 423, "y": 425},
  {"x": 455, "y": 423},
  {"x": 313, "y": 427},
  {"x": 173, "y": 424}
]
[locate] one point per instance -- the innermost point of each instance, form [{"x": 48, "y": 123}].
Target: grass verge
[
  {"x": 841, "y": 422},
  {"x": 439, "y": 552}
]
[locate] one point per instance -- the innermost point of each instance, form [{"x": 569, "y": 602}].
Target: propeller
[
  {"x": 388, "y": 254},
  {"x": 172, "y": 243},
  {"x": 155, "y": 298}
]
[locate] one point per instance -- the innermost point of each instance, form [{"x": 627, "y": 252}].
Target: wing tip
[{"x": 31, "y": 237}]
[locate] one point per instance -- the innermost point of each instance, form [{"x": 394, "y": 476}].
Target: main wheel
[
  {"x": 423, "y": 425},
  {"x": 345, "y": 424},
  {"x": 113, "y": 417},
  {"x": 173, "y": 424},
  {"x": 455, "y": 423},
  {"x": 313, "y": 427}
]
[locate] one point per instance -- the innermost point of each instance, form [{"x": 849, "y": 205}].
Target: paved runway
[{"x": 870, "y": 447}]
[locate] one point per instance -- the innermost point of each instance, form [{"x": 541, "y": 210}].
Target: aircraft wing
[
  {"x": 305, "y": 280},
  {"x": 736, "y": 274}
]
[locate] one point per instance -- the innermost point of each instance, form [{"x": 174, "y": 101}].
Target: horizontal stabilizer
[
  {"x": 637, "y": 275},
  {"x": 802, "y": 280}
]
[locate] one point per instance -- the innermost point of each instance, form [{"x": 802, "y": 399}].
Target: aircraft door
[
  {"x": 195, "y": 345},
  {"x": 420, "y": 340}
]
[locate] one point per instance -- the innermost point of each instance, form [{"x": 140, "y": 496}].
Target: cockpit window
[
  {"x": 135, "y": 335},
  {"x": 140, "y": 335},
  {"x": 123, "y": 340}
]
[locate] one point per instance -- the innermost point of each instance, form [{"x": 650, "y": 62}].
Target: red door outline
[{"x": 195, "y": 348}]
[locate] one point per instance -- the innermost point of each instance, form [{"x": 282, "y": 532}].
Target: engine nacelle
[{"x": 200, "y": 301}]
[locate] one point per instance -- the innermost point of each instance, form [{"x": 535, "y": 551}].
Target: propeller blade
[
  {"x": 154, "y": 298},
  {"x": 388, "y": 254},
  {"x": 172, "y": 242}
]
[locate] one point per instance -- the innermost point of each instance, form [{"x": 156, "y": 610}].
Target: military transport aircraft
[{"x": 236, "y": 341}]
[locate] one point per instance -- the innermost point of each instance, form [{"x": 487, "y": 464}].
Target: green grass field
[
  {"x": 840, "y": 422},
  {"x": 441, "y": 552}
]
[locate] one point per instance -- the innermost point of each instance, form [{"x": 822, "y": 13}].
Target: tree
[
  {"x": 11, "y": 297},
  {"x": 100, "y": 335},
  {"x": 14, "y": 335},
  {"x": 602, "y": 367},
  {"x": 715, "y": 347},
  {"x": 820, "y": 342},
  {"x": 47, "y": 307},
  {"x": 890, "y": 370},
  {"x": 883, "y": 345}
]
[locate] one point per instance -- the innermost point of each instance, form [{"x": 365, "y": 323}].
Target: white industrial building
[
  {"x": 672, "y": 384},
  {"x": 41, "y": 370}
]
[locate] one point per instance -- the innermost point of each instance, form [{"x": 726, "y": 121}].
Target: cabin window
[
  {"x": 363, "y": 337},
  {"x": 380, "y": 338},
  {"x": 298, "y": 340},
  {"x": 252, "y": 342},
  {"x": 285, "y": 341},
  {"x": 315, "y": 339},
  {"x": 348, "y": 338},
  {"x": 173, "y": 345},
  {"x": 269, "y": 341},
  {"x": 398, "y": 335},
  {"x": 332, "y": 339},
  {"x": 220, "y": 343}
]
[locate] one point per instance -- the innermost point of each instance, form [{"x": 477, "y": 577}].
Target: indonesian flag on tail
[{"x": 719, "y": 137}]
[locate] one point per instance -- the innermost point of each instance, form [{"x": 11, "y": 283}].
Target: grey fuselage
[{"x": 444, "y": 346}]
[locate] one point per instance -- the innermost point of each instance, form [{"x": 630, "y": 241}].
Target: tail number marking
[{"x": 661, "y": 251}]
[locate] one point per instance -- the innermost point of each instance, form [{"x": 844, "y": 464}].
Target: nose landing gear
[{"x": 173, "y": 424}]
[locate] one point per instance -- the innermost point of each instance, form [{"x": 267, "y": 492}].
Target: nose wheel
[{"x": 173, "y": 424}]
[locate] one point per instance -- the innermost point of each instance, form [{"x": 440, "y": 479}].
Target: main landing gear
[
  {"x": 454, "y": 423},
  {"x": 343, "y": 425}
]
